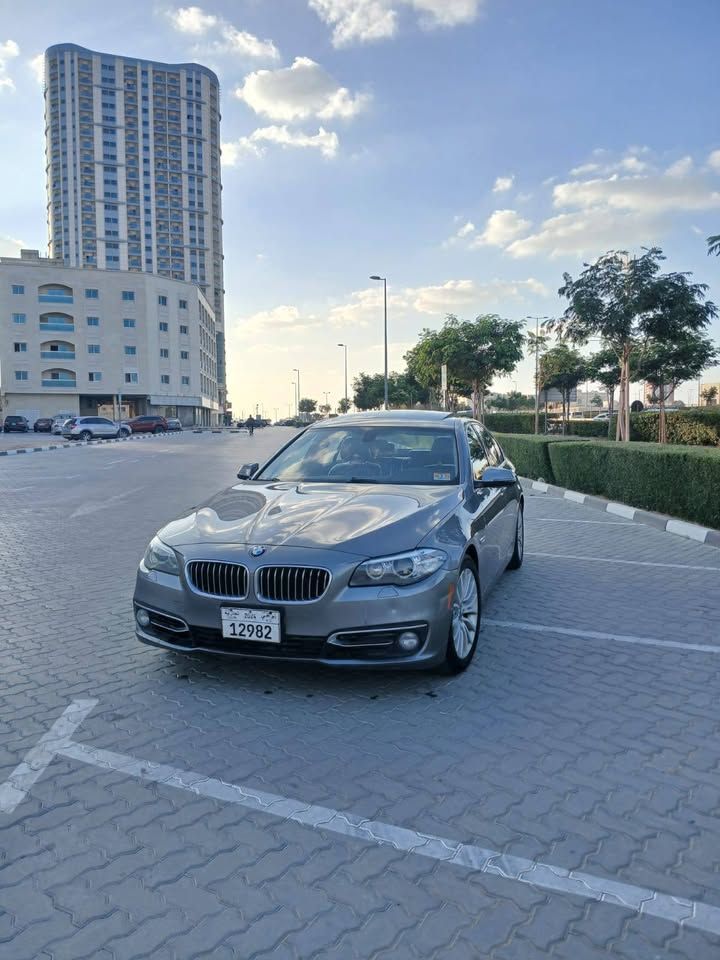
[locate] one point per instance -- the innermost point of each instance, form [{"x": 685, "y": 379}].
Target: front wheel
[
  {"x": 86, "y": 435},
  {"x": 465, "y": 624},
  {"x": 158, "y": 430},
  {"x": 517, "y": 558}
]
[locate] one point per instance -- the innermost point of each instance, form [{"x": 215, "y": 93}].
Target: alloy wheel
[{"x": 466, "y": 609}]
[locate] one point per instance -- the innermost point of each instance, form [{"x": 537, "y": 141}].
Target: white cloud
[
  {"x": 655, "y": 193},
  {"x": 220, "y": 34},
  {"x": 279, "y": 320},
  {"x": 714, "y": 161},
  {"x": 10, "y": 247},
  {"x": 37, "y": 65},
  {"x": 299, "y": 91},
  {"x": 9, "y": 50},
  {"x": 632, "y": 164},
  {"x": 586, "y": 232},
  {"x": 681, "y": 167},
  {"x": 326, "y": 141},
  {"x": 457, "y": 294},
  {"x": 503, "y": 183},
  {"x": 466, "y": 230},
  {"x": 581, "y": 171},
  {"x": 501, "y": 228},
  {"x": 363, "y": 21}
]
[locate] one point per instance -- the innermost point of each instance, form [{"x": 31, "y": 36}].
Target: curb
[
  {"x": 81, "y": 443},
  {"x": 681, "y": 528}
]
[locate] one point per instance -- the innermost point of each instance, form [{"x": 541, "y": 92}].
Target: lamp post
[
  {"x": 537, "y": 383},
  {"x": 295, "y": 370},
  {"x": 344, "y": 346},
  {"x": 384, "y": 283},
  {"x": 295, "y": 399}
]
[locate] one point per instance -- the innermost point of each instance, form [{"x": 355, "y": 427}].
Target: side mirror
[
  {"x": 497, "y": 477},
  {"x": 248, "y": 470}
]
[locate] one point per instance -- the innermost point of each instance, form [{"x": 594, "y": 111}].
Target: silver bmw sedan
[{"x": 370, "y": 539}]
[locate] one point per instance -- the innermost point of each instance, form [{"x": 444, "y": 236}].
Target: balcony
[
  {"x": 57, "y": 354},
  {"x": 57, "y": 322},
  {"x": 59, "y": 378}
]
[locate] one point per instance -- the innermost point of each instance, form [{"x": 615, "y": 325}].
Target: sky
[{"x": 471, "y": 151}]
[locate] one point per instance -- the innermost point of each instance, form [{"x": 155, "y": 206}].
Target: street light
[
  {"x": 295, "y": 399},
  {"x": 344, "y": 346},
  {"x": 295, "y": 370},
  {"x": 384, "y": 283},
  {"x": 537, "y": 383}
]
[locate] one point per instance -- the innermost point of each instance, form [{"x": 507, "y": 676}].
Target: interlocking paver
[{"x": 587, "y": 754}]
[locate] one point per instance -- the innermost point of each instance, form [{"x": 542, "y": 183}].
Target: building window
[
  {"x": 93, "y": 348},
  {"x": 182, "y": 304},
  {"x": 163, "y": 326},
  {"x": 164, "y": 353},
  {"x": 185, "y": 381},
  {"x": 21, "y": 375},
  {"x": 165, "y": 378},
  {"x": 131, "y": 378},
  {"x": 128, "y": 295},
  {"x": 20, "y": 348},
  {"x": 95, "y": 377},
  {"x": 128, "y": 324},
  {"x": 19, "y": 318},
  {"x": 183, "y": 329},
  {"x": 184, "y": 355},
  {"x": 18, "y": 288},
  {"x": 162, "y": 301},
  {"x": 130, "y": 351},
  {"x": 93, "y": 321}
]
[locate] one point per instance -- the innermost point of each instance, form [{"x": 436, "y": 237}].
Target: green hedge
[
  {"x": 681, "y": 481},
  {"x": 513, "y": 422},
  {"x": 588, "y": 428},
  {"x": 529, "y": 454},
  {"x": 696, "y": 426}
]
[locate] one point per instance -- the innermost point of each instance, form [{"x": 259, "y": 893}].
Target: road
[{"x": 560, "y": 799}]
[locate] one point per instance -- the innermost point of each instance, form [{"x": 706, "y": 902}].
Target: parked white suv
[{"x": 89, "y": 428}]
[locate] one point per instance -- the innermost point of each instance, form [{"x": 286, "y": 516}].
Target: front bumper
[{"x": 347, "y": 627}]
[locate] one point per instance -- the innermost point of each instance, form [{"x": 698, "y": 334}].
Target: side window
[
  {"x": 495, "y": 454},
  {"x": 478, "y": 456}
]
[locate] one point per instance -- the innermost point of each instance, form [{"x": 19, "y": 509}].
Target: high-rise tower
[{"x": 133, "y": 169}]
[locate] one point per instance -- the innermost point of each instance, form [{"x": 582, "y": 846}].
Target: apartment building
[
  {"x": 133, "y": 170},
  {"x": 73, "y": 340}
]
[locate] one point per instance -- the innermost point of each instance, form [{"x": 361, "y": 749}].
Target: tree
[
  {"x": 344, "y": 405},
  {"x": 514, "y": 400},
  {"x": 596, "y": 400},
  {"x": 325, "y": 408},
  {"x": 627, "y": 301},
  {"x": 666, "y": 364},
  {"x": 403, "y": 391},
  {"x": 709, "y": 395},
  {"x": 475, "y": 352},
  {"x": 562, "y": 369},
  {"x": 714, "y": 245},
  {"x": 307, "y": 405},
  {"x": 603, "y": 368}
]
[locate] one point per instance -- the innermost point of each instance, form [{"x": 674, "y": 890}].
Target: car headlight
[
  {"x": 399, "y": 569},
  {"x": 159, "y": 556}
]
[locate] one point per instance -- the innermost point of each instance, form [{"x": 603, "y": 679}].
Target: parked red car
[{"x": 148, "y": 424}]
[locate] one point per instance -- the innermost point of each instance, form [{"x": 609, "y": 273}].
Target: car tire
[
  {"x": 85, "y": 435},
  {"x": 158, "y": 430},
  {"x": 465, "y": 624},
  {"x": 518, "y": 553}
]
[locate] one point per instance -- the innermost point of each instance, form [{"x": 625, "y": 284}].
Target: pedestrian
[{"x": 250, "y": 424}]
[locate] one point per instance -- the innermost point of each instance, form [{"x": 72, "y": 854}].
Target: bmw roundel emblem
[{"x": 257, "y": 551}]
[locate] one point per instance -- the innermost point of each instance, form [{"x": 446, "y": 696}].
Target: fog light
[
  {"x": 142, "y": 617},
  {"x": 409, "y": 642}
]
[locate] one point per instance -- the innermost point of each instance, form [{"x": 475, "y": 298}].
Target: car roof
[{"x": 429, "y": 418}]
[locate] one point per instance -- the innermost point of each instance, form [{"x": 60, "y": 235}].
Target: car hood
[{"x": 365, "y": 520}]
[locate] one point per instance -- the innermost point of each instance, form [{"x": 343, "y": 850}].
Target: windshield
[{"x": 356, "y": 454}]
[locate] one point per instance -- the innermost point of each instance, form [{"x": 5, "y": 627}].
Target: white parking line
[
  {"x": 596, "y": 635},
  {"x": 643, "y": 900},
  {"x": 610, "y": 523},
  {"x": 15, "y": 788},
  {"x": 639, "y": 563}
]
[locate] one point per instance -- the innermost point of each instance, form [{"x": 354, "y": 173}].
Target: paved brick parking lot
[{"x": 592, "y": 751}]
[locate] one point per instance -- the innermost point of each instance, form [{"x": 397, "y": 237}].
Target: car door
[
  {"x": 507, "y": 517},
  {"x": 485, "y": 506},
  {"x": 104, "y": 427}
]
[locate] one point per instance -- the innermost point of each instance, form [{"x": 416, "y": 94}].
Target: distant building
[
  {"x": 73, "y": 340},
  {"x": 133, "y": 170}
]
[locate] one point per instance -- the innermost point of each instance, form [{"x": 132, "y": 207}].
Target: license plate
[{"x": 243, "y": 623}]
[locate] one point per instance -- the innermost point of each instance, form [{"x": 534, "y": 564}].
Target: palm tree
[{"x": 714, "y": 245}]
